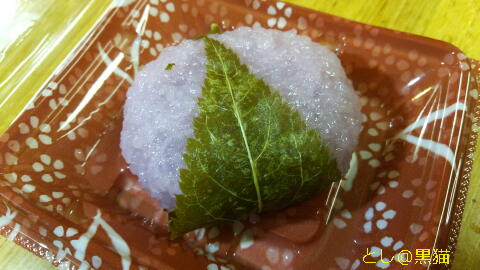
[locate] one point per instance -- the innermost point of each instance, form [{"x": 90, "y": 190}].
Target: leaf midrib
[{"x": 240, "y": 123}]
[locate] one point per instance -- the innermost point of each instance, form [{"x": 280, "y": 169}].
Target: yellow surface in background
[
  {"x": 59, "y": 25},
  {"x": 35, "y": 37}
]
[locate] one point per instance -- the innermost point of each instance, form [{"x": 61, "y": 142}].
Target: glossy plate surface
[{"x": 68, "y": 195}]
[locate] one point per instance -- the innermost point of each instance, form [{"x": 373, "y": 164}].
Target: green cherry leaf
[{"x": 250, "y": 150}]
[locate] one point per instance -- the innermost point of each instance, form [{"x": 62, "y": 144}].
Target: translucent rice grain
[{"x": 161, "y": 103}]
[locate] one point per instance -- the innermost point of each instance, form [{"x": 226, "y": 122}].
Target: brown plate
[{"x": 68, "y": 195}]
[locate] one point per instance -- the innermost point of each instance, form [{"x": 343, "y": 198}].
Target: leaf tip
[{"x": 215, "y": 29}]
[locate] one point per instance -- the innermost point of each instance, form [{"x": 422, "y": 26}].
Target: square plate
[{"x": 69, "y": 197}]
